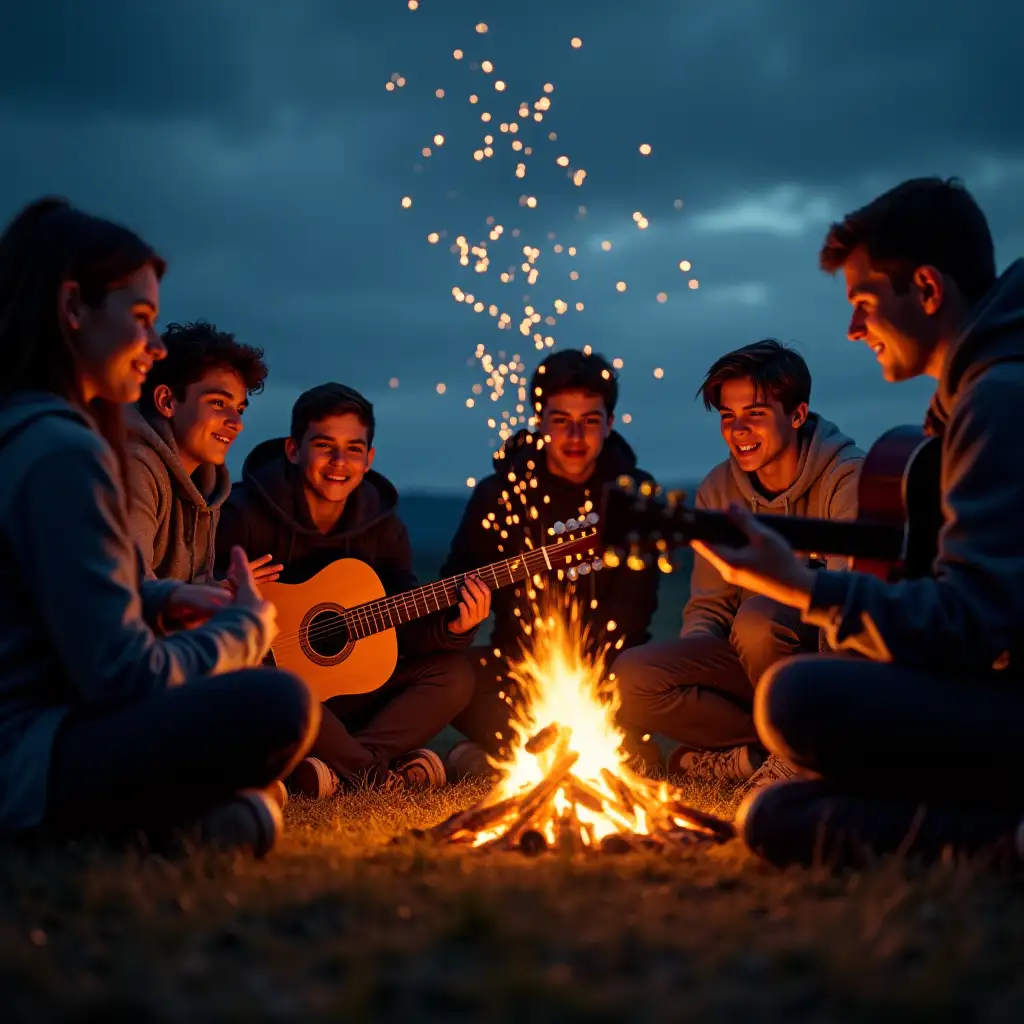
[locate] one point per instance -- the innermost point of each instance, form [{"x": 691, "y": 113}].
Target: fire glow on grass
[{"x": 566, "y": 782}]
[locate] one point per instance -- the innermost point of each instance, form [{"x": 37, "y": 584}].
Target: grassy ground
[{"x": 339, "y": 925}]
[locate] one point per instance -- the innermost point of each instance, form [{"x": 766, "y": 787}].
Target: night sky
[{"x": 257, "y": 146}]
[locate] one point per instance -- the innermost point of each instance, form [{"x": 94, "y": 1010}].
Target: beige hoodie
[{"x": 825, "y": 487}]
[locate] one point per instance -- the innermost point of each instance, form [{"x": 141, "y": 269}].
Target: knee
[
  {"x": 758, "y": 620},
  {"x": 786, "y": 704},
  {"x": 455, "y": 677},
  {"x": 633, "y": 675},
  {"x": 285, "y": 705}
]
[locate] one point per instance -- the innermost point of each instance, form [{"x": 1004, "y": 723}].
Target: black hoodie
[
  {"x": 623, "y": 596},
  {"x": 267, "y": 513},
  {"x": 969, "y": 617}
]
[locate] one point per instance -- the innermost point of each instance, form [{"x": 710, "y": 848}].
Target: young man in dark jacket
[
  {"x": 542, "y": 478},
  {"x": 914, "y": 745},
  {"x": 310, "y": 499},
  {"x": 179, "y": 435},
  {"x": 783, "y": 460}
]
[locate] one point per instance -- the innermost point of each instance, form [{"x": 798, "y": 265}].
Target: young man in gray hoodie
[
  {"x": 783, "y": 460},
  {"x": 915, "y": 744},
  {"x": 179, "y": 435}
]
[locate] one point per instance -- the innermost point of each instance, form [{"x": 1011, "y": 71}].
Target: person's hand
[
  {"x": 264, "y": 569},
  {"x": 191, "y": 604},
  {"x": 474, "y": 607},
  {"x": 247, "y": 591},
  {"x": 766, "y": 564}
]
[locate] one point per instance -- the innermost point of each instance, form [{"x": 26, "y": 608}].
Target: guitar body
[
  {"x": 312, "y": 640},
  {"x": 900, "y": 485}
]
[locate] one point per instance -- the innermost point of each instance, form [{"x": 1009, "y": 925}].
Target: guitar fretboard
[{"x": 376, "y": 616}]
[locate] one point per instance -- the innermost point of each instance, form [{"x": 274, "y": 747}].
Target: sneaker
[
  {"x": 468, "y": 760},
  {"x": 250, "y": 822},
  {"x": 737, "y": 764},
  {"x": 419, "y": 769},
  {"x": 313, "y": 778}
]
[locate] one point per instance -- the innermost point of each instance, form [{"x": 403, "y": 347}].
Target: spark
[
  {"x": 576, "y": 42},
  {"x": 684, "y": 265},
  {"x": 499, "y": 85},
  {"x": 548, "y": 87},
  {"x": 659, "y": 372},
  {"x": 606, "y": 245},
  {"x": 439, "y": 93},
  {"x": 413, "y": 4},
  {"x": 620, "y": 286},
  {"x": 433, "y": 238},
  {"x": 645, "y": 148},
  {"x": 627, "y": 418},
  {"x": 393, "y": 382},
  {"x": 470, "y": 481},
  {"x": 662, "y": 296},
  {"x": 482, "y": 27},
  {"x": 439, "y": 140},
  {"x": 617, "y": 363},
  {"x": 457, "y": 54},
  {"x": 694, "y": 284},
  {"x": 406, "y": 202},
  {"x": 487, "y": 67},
  {"x": 441, "y": 388},
  {"x": 678, "y": 204}
]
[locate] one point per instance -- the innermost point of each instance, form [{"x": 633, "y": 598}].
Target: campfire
[{"x": 566, "y": 783}]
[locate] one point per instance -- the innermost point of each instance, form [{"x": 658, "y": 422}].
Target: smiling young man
[
  {"x": 783, "y": 460},
  {"x": 310, "y": 499},
  {"x": 179, "y": 435},
  {"x": 915, "y": 744},
  {"x": 554, "y": 474}
]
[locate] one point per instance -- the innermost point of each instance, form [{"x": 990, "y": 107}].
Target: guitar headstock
[
  {"x": 579, "y": 541},
  {"x": 641, "y": 524}
]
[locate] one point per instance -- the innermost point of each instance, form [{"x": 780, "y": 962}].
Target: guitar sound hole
[{"x": 326, "y": 634}]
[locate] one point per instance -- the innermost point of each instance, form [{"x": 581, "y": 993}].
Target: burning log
[{"x": 544, "y": 739}]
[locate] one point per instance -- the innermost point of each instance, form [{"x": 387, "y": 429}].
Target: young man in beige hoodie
[
  {"x": 179, "y": 435},
  {"x": 783, "y": 460}
]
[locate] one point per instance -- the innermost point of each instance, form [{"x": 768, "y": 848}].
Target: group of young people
[{"x": 134, "y": 688}]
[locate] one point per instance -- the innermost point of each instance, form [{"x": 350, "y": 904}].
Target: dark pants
[
  {"x": 485, "y": 719},
  {"x": 699, "y": 690},
  {"x": 166, "y": 759},
  {"x": 365, "y": 732},
  {"x": 897, "y": 760}
]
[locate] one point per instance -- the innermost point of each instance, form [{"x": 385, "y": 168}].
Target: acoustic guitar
[
  {"x": 337, "y": 630},
  {"x": 895, "y": 534}
]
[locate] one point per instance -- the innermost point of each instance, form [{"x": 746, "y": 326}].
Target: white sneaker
[{"x": 737, "y": 764}]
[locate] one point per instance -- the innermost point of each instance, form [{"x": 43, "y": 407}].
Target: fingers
[
  {"x": 255, "y": 563},
  {"x": 475, "y": 605}
]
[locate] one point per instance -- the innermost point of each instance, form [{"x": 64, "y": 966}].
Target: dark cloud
[{"x": 256, "y": 145}]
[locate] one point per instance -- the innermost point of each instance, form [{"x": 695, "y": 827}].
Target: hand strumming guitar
[{"x": 474, "y": 607}]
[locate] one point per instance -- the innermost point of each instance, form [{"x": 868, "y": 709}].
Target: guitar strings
[{"x": 362, "y": 615}]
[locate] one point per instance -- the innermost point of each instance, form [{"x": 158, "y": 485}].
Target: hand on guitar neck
[
  {"x": 766, "y": 564},
  {"x": 474, "y": 607}
]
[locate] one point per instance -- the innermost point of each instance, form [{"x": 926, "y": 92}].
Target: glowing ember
[{"x": 566, "y": 781}]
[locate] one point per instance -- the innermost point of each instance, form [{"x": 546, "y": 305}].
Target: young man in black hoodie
[
  {"x": 310, "y": 499},
  {"x": 783, "y": 460},
  {"x": 915, "y": 744},
  {"x": 541, "y": 478},
  {"x": 179, "y": 435}
]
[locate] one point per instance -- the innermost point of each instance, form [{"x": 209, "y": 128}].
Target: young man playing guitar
[
  {"x": 554, "y": 474},
  {"x": 913, "y": 745},
  {"x": 179, "y": 435},
  {"x": 312, "y": 498},
  {"x": 783, "y": 460}
]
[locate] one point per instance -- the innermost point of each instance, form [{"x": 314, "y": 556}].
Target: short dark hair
[
  {"x": 330, "y": 399},
  {"x": 932, "y": 221},
  {"x": 193, "y": 349},
  {"x": 574, "y": 370},
  {"x": 774, "y": 369}
]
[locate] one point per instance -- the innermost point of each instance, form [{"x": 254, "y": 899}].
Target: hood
[
  {"x": 822, "y": 440},
  {"x": 276, "y": 484},
  {"x": 616, "y": 457},
  {"x": 207, "y": 489},
  {"x": 25, "y": 407},
  {"x": 994, "y": 333}
]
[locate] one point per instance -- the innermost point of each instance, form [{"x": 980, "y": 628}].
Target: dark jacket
[
  {"x": 267, "y": 514},
  {"x": 825, "y": 488},
  {"x": 172, "y": 516},
  {"x": 79, "y": 627},
  {"x": 623, "y": 596},
  {"x": 969, "y": 617}
]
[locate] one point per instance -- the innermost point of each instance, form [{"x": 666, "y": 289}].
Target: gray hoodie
[
  {"x": 75, "y": 620},
  {"x": 172, "y": 516},
  {"x": 968, "y": 618},
  {"x": 825, "y": 487}
]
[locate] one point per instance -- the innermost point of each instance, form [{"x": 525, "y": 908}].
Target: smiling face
[
  {"x": 333, "y": 456},
  {"x": 576, "y": 424},
  {"x": 759, "y": 432},
  {"x": 903, "y": 330},
  {"x": 116, "y": 342},
  {"x": 207, "y": 420}
]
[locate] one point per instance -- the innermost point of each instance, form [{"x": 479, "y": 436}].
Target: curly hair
[{"x": 193, "y": 349}]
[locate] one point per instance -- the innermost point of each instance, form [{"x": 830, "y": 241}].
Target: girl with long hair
[{"x": 125, "y": 704}]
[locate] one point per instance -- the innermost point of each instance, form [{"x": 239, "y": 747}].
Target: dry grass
[{"x": 338, "y": 925}]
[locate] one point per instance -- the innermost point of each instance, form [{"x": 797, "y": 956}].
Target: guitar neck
[{"x": 388, "y": 612}]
